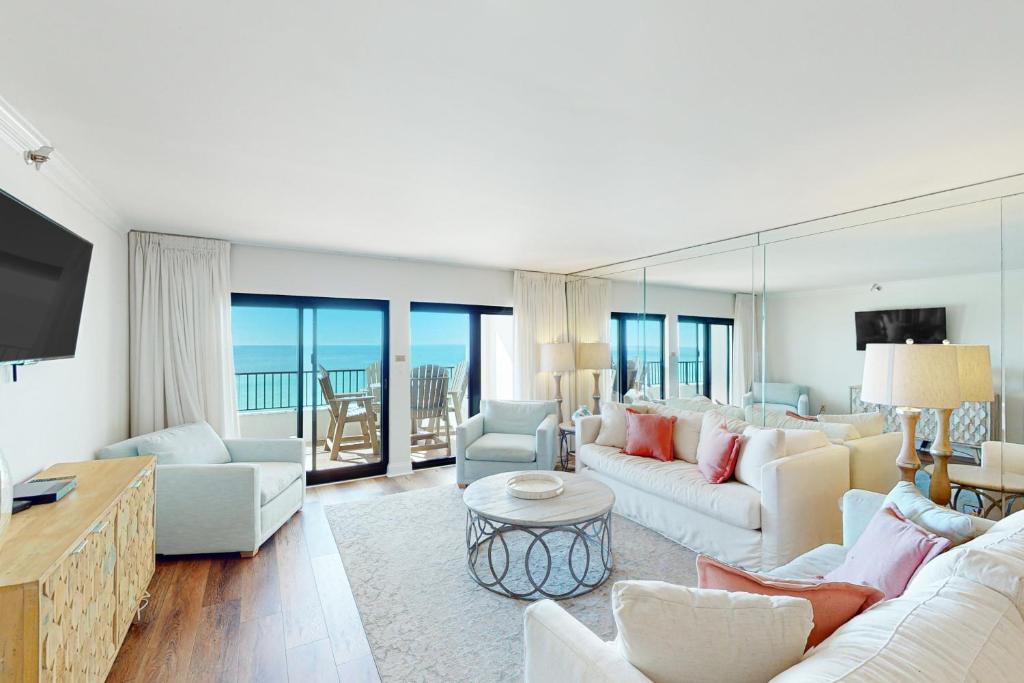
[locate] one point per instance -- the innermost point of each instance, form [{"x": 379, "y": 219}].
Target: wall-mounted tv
[
  {"x": 923, "y": 325},
  {"x": 43, "y": 271}
]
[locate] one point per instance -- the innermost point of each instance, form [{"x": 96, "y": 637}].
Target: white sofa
[
  {"x": 757, "y": 530},
  {"x": 218, "y": 496},
  {"x": 958, "y": 620}
]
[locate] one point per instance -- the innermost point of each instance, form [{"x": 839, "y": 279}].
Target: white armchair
[
  {"x": 214, "y": 495},
  {"x": 506, "y": 436}
]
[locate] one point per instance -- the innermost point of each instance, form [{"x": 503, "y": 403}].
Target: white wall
[
  {"x": 263, "y": 270},
  {"x": 63, "y": 410},
  {"x": 811, "y": 338}
]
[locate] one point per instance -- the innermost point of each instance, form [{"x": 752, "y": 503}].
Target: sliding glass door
[
  {"x": 459, "y": 355},
  {"x": 316, "y": 369},
  {"x": 638, "y": 352},
  {"x": 704, "y": 366}
]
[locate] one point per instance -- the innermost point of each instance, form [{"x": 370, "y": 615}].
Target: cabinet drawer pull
[
  {"x": 135, "y": 484},
  {"x": 98, "y": 529},
  {"x": 80, "y": 547}
]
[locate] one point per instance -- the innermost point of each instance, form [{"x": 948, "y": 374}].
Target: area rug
[{"x": 425, "y": 618}]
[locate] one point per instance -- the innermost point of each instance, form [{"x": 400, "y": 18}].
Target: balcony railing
[
  {"x": 690, "y": 371},
  {"x": 280, "y": 390}
]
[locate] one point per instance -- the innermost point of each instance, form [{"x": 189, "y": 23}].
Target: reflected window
[
  {"x": 638, "y": 352},
  {"x": 704, "y": 361}
]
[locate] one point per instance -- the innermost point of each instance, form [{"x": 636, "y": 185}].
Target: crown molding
[{"x": 21, "y": 136}]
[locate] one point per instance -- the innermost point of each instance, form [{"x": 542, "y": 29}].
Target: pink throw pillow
[
  {"x": 717, "y": 453},
  {"x": 649, "y": 435},
  {"x": 833, "y": 603},
  {"x": 888, "y": 553}
]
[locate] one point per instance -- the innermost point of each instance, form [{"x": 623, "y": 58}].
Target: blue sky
[{"x": 252, "y": 326}]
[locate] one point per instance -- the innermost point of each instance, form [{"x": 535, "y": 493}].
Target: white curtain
[
  {"x": 746, "y": 345},
  {"x": 181, "y": 364},
  {"x": 589, "y": 311},
  {"x": 538, "y": 311}
]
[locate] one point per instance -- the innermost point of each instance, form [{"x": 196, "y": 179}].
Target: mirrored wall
[{"x": 907, "y": 311}]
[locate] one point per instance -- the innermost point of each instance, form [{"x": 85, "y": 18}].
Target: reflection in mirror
[
  {"x": 629, "y": 338},
  {"x": 926, "y": 277},
  {"x": 1011, "y": 464}
]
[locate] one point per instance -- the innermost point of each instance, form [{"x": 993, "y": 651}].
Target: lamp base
[
  {"x": 940, "y": 490},
  {"x": 597, "y": 392},
  {"x": 907, "y": 460}
]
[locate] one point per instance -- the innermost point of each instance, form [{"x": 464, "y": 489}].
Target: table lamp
[
  {"x": 557, "y": 358},
  {"x": 974, "y": 371},
  {"x": 911, "y": 377},
  {"x": 595, "y": 356}
]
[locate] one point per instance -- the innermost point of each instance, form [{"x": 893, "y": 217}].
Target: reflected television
[
  {"x": 923, "y": 325},
  {"x": 43, "y": 271}
]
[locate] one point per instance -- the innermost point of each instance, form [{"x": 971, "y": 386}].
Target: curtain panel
[
  {"x": 181, "y": 357},
  {"x": 746, "y": 346},
  {"x": 539, "y": 317},
  {"x": 589, "y": 311}
]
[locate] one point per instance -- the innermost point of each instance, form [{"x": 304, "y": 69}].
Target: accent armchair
[
  {"x": 218, "y": 495},
  {"x": 780, "y": 397},
  {"x": 506, "y": 436}
]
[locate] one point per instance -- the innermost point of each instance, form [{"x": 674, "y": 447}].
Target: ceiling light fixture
[{"x": 38, "y": 156}]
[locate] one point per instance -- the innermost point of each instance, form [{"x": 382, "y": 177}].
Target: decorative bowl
[{"x": 534, "y": 486}]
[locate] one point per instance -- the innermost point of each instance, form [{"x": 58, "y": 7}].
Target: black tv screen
[
  {"x": 923, "y": 325},
  {"x": 43, "y": 271}
]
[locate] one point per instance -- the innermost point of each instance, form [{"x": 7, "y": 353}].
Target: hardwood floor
[{"x": 286, "y": 614}]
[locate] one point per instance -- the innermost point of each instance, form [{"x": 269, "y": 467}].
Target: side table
[{"x": 566, "y": 435}]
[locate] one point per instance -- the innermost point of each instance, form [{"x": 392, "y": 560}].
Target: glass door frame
[
  {"x": 301, "y": 304},
  {"x": 621, "y": 367},
  {"x": 707, "y": 322},
  {"x": 475, "y": 312}
]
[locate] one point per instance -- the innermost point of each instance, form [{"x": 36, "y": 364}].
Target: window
[
  {"x": 704, "y": 363},
  {"x": 638, "y": 351}
]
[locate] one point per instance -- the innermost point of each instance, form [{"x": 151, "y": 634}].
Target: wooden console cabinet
[{"x": 73, "y": 573}]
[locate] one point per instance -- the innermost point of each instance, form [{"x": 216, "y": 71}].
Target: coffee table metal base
[{"x": 559, "y": 561}]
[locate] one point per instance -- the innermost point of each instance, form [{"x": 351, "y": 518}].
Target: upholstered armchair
[
  {"x": 218, "y": 495},
  {"x": 506, "y": 436},
  {"x": 780, "y": 397}
]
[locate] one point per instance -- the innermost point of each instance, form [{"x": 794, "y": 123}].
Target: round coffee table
[{"x": 554, "y": 548}]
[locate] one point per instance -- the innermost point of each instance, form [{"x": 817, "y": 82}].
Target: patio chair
[
  {"x": 352, "y": 407},
  {"x": 457, "y": 391},
  {"x": 373, "y": 386},
  {"x": 428, "y": 391}
]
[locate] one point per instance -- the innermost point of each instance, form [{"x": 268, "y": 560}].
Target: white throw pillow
[
  {"x": 867, "y": 424},
  {"x": 835, "y": 431},
  {"x": 803, "y": 440},
  {"x": 613, "y": 425},
  {"x": 759, "y": 447},
  {"x": 686, "y": 434},
  {"x": 675, "y": 634},
  {"x": 189, "y": 444},
  {"x": 938, "y": 519}
]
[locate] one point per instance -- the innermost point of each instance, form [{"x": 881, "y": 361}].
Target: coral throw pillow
[
  {"x": 798, "y": 416},
  {"x": 717, "y": 453},
  {"x": 888, "y": 553},
  {"x": 833, "y": 603},
  {"x": 649, "y": 435}
]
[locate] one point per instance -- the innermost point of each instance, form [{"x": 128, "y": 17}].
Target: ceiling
[{"x": 528, "y": 134}]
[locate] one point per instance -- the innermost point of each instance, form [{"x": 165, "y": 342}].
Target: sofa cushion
[
  {"x": 188, "y": 444},
  {"x": 938, "y": 519},
  {"x": 613, "y": 425},
  {"x": 670, "y": 633},
  {"x": 503, "y": 448},
  {"x": 952, "y": 630},
  {"x": 866, "y": 424},
  {"x": 275, "y": 477},
  {"x": 677, "y": 481},
  {"x": 759, "y": 447},
  {"x": 835, "y": 431},
  {"x": 515, "y": 417},
  {"x": 803, "y": 440},
  {"x": 834, "y": 603},
  {"x": 813, "y": 564},
  {"x": 686, "y": 434}
]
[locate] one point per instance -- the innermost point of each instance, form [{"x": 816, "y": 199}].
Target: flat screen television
[
  {"x": 43, "y": 271},
  {"x": 923, "y": 325}
]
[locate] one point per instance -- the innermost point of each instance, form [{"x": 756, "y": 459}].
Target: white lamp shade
[
  {"x": 556, "y": 357},
  {"x": 975, "y": 366},
  {"x": 594, "y": 356},
  {"x": 911, "y": 375}
]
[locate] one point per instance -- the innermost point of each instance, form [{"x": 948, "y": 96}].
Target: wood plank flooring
[{"x": 286, "y": 614}]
